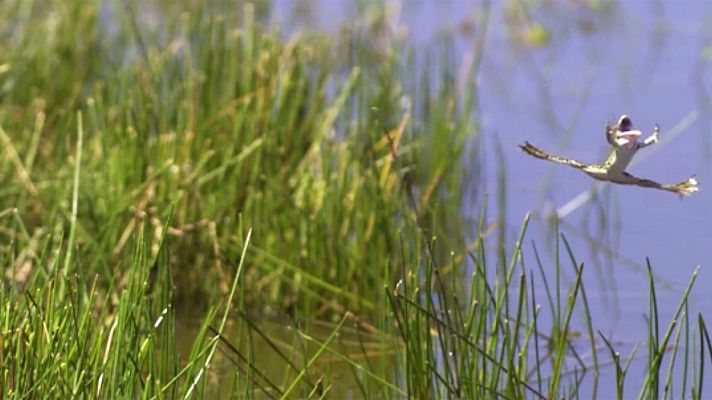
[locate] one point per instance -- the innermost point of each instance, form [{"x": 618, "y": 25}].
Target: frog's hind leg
[
  {"x": 542, "y": 155},
  {"x": 682, "y": 189}
]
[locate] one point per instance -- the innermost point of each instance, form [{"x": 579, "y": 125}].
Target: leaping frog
[{"x": 625, "y": 142}]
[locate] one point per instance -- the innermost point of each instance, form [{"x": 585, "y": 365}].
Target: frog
[{"x": 625, "y": 141}]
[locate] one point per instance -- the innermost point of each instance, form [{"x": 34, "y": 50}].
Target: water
[
  {"x": 647, "y": 64},
  {"x": 647, "y": 60},
  {"x": 267, "y": 368},
  {"x": 643, "y": 65}
]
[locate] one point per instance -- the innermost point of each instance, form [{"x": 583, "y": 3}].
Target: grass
[{"x": 207, "y": 163}]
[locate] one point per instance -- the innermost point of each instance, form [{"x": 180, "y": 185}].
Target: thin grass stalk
[
  {"x": 517, "y": 371},
  {"x": 659, "y": 350},
  {"x": 686, "y": 354},
  {"x": 697, "y": 390},
  {"x": 223, "y": 321},
  {"x": 668, "y": 388},
  {"x": 535, "y": 329},
  {"x": 445, "y": 348},
  {"x": 653, "y": 336},
  {"x": 75, "y": 198},
  {"x": 704, "y": 342},
  {"x": 620, "y": 372},
  {"x": 563, "y": 340},
  {"x": 251, "y": 372},
  {"x": 354, "y": 372},
  {"x": 324, "y": 346},
  {"x": 586, "y": 313},
  {"x": 558, "y": 331},
  {"x": 545, "y": 281}
]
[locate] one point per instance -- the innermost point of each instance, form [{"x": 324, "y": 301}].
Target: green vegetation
[{"x": 183, "y": 158}]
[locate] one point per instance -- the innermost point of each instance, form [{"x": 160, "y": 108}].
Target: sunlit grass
[{"x": 184, "y": 158}]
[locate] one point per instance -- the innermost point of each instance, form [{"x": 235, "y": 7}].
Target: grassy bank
[{"x": 170, "y": 158}]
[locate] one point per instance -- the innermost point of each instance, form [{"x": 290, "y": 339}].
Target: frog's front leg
[{"x": 651, "y": 139}]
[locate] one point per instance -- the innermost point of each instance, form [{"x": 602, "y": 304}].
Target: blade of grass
[
  {"x": 322, "y": 347},
  {"x": 221, "y": 327}
]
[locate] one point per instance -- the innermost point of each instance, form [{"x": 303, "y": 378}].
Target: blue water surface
[{"x": 591, "y": 62}]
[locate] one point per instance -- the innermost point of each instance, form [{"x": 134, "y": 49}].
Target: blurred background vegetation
[{"x": 332, "y": 149}]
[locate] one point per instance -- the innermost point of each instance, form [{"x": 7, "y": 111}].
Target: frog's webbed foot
[{"x": 686, "y": 188}]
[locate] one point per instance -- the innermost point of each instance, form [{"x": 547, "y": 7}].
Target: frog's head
[{"x": 624, "y": 123}]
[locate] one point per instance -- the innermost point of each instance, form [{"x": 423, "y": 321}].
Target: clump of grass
[
  {"x": 218, "y": 119},
  {"x": 214, "y": 115},
  {"x": 136, "y": 155},
  {"x": 493, "y": 342}
]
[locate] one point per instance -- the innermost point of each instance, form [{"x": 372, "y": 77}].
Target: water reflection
[{"x": 267, "y": 353}]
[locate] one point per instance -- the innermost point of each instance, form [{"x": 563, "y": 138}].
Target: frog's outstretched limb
[
  {"x": 682, "y": 189},
  {"x": 542, "y": 155}
]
